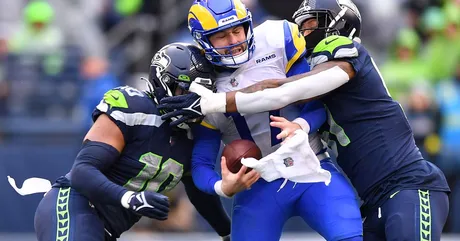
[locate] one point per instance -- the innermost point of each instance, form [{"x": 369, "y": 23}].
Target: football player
[
  {"x": 404, "y": 196},
  {"x": 129, "y": 158},
  {"x": 243, "y": 56}
]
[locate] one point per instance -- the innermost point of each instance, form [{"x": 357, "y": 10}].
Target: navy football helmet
[
  {"x": 334, "y": 17},
  {"x": 175, "y": 66}
]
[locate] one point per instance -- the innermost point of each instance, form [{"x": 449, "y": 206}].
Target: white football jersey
[{"x": 278, "y": 46}]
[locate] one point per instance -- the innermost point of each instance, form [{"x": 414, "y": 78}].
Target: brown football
[{"x": 237, "y": 149}]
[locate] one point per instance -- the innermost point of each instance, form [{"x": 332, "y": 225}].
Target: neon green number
[{"x": 156, "y": 176}]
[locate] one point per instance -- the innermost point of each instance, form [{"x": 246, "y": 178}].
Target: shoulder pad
[
  {"x": 269, "y": 33},
  {"x": 333, "y": 47},
  {"x": 294, "y": 43},
  {"x": 128, "y": 98},
  {"x": 115, "y": 98},
  {"x": 129, "y": 106}
]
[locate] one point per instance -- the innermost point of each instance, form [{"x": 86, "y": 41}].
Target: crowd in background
[{"x": 58, "y": 58}]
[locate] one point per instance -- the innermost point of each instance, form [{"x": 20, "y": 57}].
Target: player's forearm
[
  {"x": 204, "y": 178},
  {"x": 231, "y": 105},
  {"x": 205, "y": 150},
  {"x": 87, "y": 178},
  {"x": 293, "y": 89},
  {"x": 90, "y": 182},
  {"x": 209, "y": 207}
]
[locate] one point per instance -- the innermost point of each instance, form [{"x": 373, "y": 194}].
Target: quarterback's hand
[
  {"x": 149, "y": 204},
  {"x": 287, "y": 127},
  {"x": 182, "y": 107},
  {"x": 233, "y": 183}
]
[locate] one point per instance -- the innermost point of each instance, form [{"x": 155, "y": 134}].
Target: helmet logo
[
  {"x": 227, "y": 20},
  {"x": 161, "y": 60}
]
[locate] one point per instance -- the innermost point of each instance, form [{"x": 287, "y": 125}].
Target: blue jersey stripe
[
  {"x": 274, "y": 131},
  {"x": 241, "y": 126},
  {"x": 289, "y": 46}
]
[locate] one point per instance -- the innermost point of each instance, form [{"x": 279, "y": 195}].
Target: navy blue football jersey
[
  {"x": 154, "y": 158},
  {"x": 369, "y": 131}
]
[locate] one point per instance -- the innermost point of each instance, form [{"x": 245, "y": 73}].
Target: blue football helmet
[{"x": 207, "y": 17}]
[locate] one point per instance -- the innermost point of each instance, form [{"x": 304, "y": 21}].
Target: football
[{"x": 237, "y": 149}]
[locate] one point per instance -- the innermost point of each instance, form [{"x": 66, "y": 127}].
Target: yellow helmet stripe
[
  {"x": 240, "y": 9},
  {"x": 202, "y": 14},
  {"x": 296, "y": 45}
]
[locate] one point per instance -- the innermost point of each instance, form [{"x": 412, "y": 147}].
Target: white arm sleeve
[{"x": 304, "y": 88}]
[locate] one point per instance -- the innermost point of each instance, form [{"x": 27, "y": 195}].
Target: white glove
[
  {"x": 295, "y": 161},
  {"x": 210, "y": 102}
]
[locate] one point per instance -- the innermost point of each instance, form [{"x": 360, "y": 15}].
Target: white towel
[
  {"x": 294, "y": 160},
  {"x": 31, "y": 185}
]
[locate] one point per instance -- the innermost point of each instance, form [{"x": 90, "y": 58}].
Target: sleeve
[
  {"x": 294, "y": 45},
  {"x": 336, "y": 48},
  {"x": 87, "y": 175},
  {"x": 209, "y": 207},
  {"x": 206, "y": 148},
  {"x": 314, "y": 114}
]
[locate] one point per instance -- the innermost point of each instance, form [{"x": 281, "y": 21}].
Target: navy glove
[
  {"x": 181, "y": 108},
  {"x": 149, "y": 204}
]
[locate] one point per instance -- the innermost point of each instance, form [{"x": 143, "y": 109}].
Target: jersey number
[
  {"x": 156, "y": 176},
  {"x": 131, "y": 91}
]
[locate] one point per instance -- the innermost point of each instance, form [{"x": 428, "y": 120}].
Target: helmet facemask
[
  {"x": 228, "y": 60},
  {"x": 334, "y": 17},
  {"x": 318, "y": 32}
]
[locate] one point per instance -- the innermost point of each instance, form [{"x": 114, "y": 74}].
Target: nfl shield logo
[
  {"x": 234, "y": 82},
  {"x": 288, "y": 162}
]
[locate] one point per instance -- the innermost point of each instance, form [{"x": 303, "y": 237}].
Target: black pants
[{"x": 412, "y": 215}]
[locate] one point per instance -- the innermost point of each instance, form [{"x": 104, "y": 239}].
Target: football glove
[
  {"x": 150, "y": 204},
  {"x": 193, "y": 105},
  {"x": 181, "y": 108}
]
